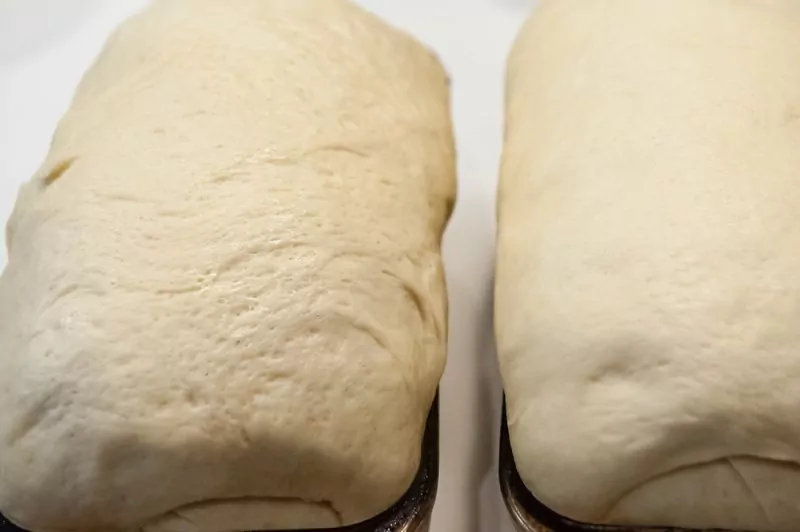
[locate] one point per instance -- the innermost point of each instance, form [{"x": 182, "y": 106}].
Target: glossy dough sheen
[
  {"x": 648, "y": 284},
  {"x": 225, "y": 306}
]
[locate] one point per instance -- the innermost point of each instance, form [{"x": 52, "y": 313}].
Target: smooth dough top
[
  {"x": 648, "y": 281},
  {"x": 224, "y": 307}
]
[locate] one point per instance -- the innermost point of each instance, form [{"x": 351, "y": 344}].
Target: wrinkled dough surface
[
  {"x": 648, "y": 281},
  {"x": 225, "y": 282}
]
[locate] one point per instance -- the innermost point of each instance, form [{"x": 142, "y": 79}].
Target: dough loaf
[
  {"x": 225, "y": 308},
  {"x": 648, "y": 282}
]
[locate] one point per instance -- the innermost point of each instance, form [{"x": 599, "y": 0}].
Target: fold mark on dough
[
  {"x": 180, "y": 512},
  {"x": 747, "y": 486}
]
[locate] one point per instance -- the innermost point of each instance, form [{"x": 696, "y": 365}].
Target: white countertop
[{"x": 46, "y": 45}]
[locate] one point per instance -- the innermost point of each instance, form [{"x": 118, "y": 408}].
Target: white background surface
[{"x": 45, "y": 47}]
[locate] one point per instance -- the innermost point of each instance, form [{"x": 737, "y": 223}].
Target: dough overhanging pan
[
  {"x": 411, "y": 513},
  {"x": 530, "y": 515}
]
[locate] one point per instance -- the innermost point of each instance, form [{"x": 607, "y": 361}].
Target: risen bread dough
[
  {"x": 648, "y": 282},
  {"x": 224, "y": 307}
]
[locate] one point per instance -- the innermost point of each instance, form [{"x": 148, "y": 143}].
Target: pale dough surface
[
  {"x": 648, "y": 282},
  {"x": 224, "y": 307}
]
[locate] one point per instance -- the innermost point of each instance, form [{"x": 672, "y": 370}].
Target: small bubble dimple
[{"x": 190, "y": 396}]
